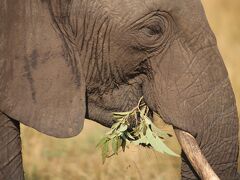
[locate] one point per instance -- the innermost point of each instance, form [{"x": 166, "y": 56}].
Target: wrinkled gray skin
[{"x": 66, "y": 60}]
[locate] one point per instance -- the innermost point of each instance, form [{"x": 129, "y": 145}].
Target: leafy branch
[{"x": 145, "y": 133}]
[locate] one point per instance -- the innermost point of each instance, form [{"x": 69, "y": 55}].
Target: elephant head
[{"x": 67, "y": 60}]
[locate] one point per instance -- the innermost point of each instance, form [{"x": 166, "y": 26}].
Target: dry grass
[{"x": 77, "y": 158}]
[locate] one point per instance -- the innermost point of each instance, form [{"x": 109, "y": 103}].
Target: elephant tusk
[{"x": 195, "y": 156}]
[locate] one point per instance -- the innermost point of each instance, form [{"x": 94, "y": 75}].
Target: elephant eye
[{"x": 152, "y": 30}]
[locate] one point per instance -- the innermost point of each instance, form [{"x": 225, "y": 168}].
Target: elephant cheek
[
  {"x": 194, "y": 94},
  {"x": 187, "y": 88}
]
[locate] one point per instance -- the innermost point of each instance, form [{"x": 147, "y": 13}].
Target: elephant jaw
[{"x": 195, "y": 155}]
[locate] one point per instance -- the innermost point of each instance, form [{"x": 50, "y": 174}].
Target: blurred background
[{"x": 47, "y": 158}]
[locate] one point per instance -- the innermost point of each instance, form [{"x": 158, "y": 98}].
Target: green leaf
[
  {"x": 113, "y": 135},
  {"x": 142, "y": 140},
  {"x": 124, "y": 143},
  {"x": 143, "y": 110},
  {"x": 120, "y": 141},
  {"x": 110, "y": 132},
  {"x": 116, "y": 125},
  {"x": 165, "y": 148},
  {"x": 122, "y": 128},
  {"x": 115, "y": 145},
  {"x": 156, "y": 129},
  {"x": 105, "y": 151},
  {"x": 158, "y": 144},
  {"x": 137, "y": 131},
  {"x": 145, "y": 133},
  {"x": 128, "y": 134},
  {"x": 102, "y": 141},
  {"x": 144, "y": 130},
  {"x": 147, "y": 120},
  {"x": 160, "y": 133}
]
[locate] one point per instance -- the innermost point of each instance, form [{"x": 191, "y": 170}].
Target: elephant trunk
[
  {"x": 191, "y": 91},
  {"x": 11, "y": 167},
  {"x": 217, "y": 138}
]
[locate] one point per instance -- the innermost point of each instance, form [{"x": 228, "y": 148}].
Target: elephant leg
[{"x": 11, "y": 167}]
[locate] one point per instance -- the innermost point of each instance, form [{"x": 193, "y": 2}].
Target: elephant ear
[{"x": 41, "y": 79}]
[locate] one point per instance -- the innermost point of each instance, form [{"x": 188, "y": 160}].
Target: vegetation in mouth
[{"x": 145, "y": 133}]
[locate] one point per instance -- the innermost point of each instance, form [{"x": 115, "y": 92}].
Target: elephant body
[{"x": 66, "y": 60}]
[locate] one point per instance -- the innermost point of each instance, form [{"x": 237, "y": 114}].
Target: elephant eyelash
[
  {"x": 155, "y": 26},
  {"x": 152, "y": 30}
]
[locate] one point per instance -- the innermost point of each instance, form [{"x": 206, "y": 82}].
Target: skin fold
[{"x": 66, "y": 60}]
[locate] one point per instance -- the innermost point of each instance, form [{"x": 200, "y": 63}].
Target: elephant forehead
[
  {"x": 135, "y": 8},
  {"x": 188, "y": 15},
  {"x": 130, "y": 9}
]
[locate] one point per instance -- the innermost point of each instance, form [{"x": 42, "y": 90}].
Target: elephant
[{"x": 64, "y": 61}]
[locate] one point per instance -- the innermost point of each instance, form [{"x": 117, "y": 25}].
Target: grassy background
[{"x": 77, "y": 158}]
